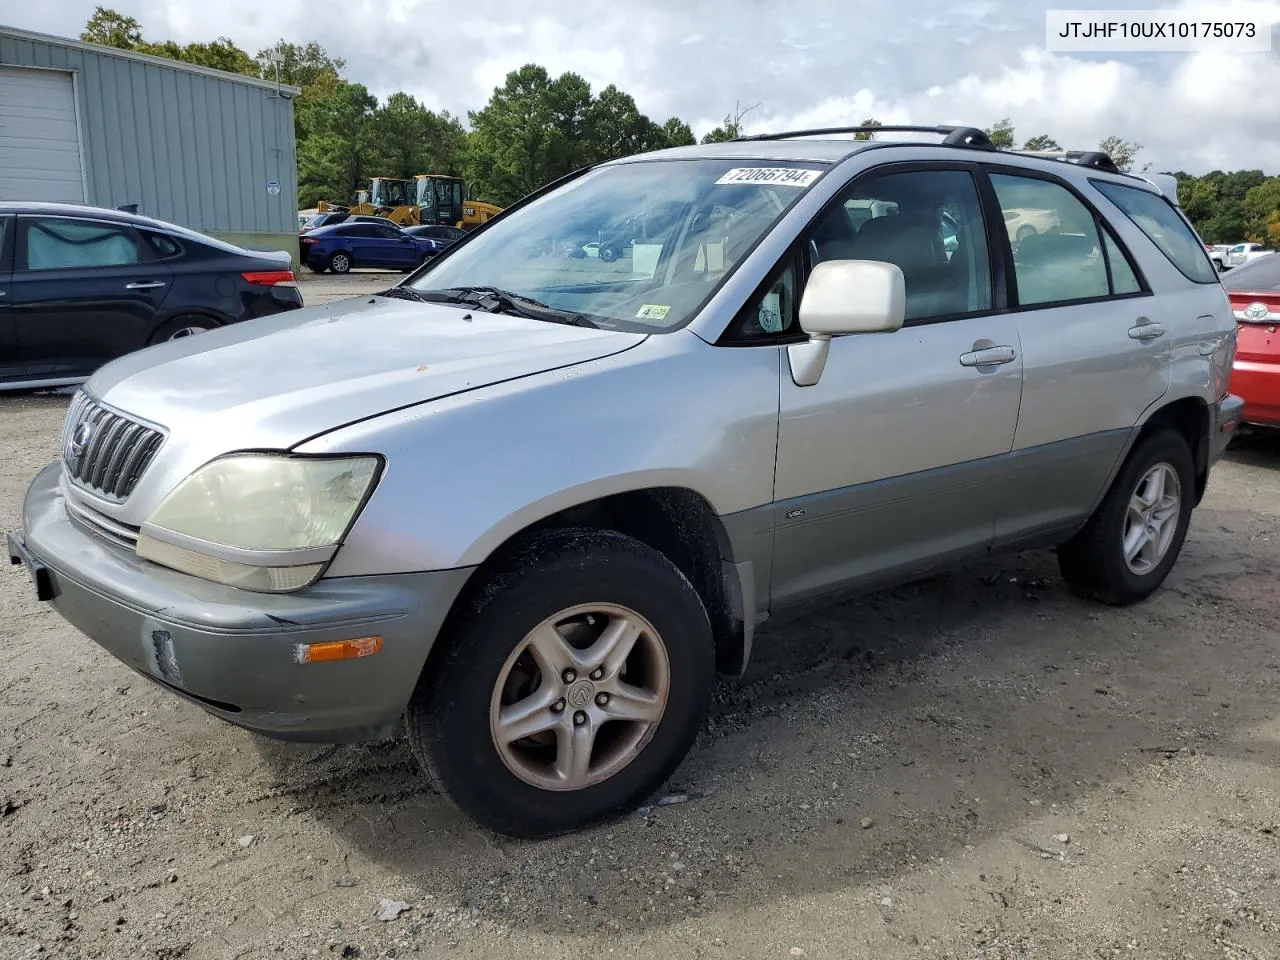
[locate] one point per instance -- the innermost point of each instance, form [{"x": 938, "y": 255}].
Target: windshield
[
  {"x": 426, "y": 194},
  {"x": 389, "y": 193},
  {"x": 638, "y": 246}
]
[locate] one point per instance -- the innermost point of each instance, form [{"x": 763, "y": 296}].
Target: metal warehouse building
[{"x": 206, "y": 149}]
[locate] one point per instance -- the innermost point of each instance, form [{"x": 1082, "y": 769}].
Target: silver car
[{"x": 531, "y": 505}]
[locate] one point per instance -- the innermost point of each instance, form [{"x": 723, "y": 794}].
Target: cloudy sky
[{"x": 805, "y": 62}]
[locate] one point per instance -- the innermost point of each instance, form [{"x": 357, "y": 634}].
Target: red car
[{"x": 1254, "y": 290}]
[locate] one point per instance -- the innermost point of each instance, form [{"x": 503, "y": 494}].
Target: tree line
[
  {"x": 536, "y": 128},
  {"x": 1224, "y": 207}
]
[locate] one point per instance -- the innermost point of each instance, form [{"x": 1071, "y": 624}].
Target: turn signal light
[{"x": 336, "y": 650}]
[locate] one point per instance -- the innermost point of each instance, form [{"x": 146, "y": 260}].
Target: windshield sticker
[
  {"x": 772, "y": 176},
  {"x": 644, "y": 259},
  {"x": 653, "y": 311}
]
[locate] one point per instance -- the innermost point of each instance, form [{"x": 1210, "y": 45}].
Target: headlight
[{"x": 265, "y": 522}]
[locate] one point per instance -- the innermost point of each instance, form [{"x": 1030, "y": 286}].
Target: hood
[{"x": 279, "y": 380}]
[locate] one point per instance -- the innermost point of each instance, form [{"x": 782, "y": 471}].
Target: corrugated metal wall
[{"x": 193, "y": 149}]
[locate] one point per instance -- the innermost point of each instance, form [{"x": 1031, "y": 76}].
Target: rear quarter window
[
  {"x": 1164, "y": 226},
  {"x": 165, "y": 247}
]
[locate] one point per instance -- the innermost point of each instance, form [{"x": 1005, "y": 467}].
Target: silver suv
[{"x": 533, "y": 503}]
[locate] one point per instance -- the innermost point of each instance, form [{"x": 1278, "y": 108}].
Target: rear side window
[
  {"x": 165, "y": 247},
  {"x": 1123, "y": 278},
  {"x": 1155, "y": 217},
  {"x": 58, "y": 244},
  {"x": 1057, "y": 250}
]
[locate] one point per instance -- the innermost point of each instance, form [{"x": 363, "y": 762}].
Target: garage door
[{"x": 39, "y": 139}]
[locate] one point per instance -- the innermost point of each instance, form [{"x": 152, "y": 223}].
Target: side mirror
[
  {"x": 843, "y": 297},
  {"x": 853, "y": 296}
]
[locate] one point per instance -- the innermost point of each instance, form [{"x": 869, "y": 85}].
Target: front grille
[{"x": 106, "y": 451}]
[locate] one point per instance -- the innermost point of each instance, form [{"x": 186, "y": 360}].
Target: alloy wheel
[
  {"x": 580, "y": 697},
  {"x": 1152, "y": 518}
]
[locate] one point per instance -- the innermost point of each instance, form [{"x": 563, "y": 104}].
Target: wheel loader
[{"x": 428, "y": 198}]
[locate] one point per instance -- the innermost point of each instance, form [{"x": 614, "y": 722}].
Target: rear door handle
[
  {"x": 1146, "y": 330},
  {"x": 144, "y": 285},
  {"x": 988, "y": 357}
]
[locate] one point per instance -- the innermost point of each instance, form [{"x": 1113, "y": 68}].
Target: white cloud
[{"x": 806, "y": 62}]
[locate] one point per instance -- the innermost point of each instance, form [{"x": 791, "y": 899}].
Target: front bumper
[{"x": 232, "y": 651}]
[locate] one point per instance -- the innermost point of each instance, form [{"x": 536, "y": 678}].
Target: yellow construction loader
[
  {"x": 440, "y": 199},
  {"x": 428, "y": 198}
]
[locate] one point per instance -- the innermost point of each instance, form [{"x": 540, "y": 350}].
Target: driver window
[{"x": 927, "y": 222}]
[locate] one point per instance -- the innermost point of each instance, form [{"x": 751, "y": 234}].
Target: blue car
[{"x": 342, "y": 247}]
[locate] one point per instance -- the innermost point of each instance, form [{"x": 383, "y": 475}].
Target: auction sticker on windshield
[
  {"x": 653, "y": 311},
  {"x": 773, "y": 176}
]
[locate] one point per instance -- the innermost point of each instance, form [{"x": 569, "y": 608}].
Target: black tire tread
[
  {"x": 582, "y": 547},
  {"x": 1088, "y": 561}
]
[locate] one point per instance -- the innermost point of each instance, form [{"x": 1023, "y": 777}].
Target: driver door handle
[
  {"x": 988, "y": 356},
  {"x": 144, "y": 285}
]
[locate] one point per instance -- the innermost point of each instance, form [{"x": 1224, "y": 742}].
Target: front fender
[{"x": 466, "y": 473}]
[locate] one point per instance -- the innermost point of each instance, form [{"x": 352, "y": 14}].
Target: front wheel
[
  {"x": 571, "y": 686},
  {"x": 1133, "y": 539}
]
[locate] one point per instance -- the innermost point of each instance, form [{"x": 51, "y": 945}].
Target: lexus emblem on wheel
[{"x": 580, "y": 694}]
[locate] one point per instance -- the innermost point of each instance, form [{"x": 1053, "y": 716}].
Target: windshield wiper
[
  {"x": 406, "y": 293},
  {"x": 496, "y": 300}
]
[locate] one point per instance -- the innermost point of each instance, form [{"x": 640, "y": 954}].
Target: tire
[
  {"x": 340, "y": 262},
  {"x": 180, "y": 327},
  {"x": 1093, "y": 562},
  {"x": 454, "y": 715},
  {"x": 1026, "y": 230},
  {"x": 608, "y": 254}
]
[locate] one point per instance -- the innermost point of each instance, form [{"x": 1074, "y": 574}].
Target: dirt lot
[
  {"x": 974, "y": 766},
  {"x": 318, "y": 288}
]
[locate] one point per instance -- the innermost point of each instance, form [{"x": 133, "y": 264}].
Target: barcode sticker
[{"x": 770, "y": 176}]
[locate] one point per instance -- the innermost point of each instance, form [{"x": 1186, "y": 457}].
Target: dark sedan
[
  {"x": 80, "y": 286},
  {"x": 443, "y": 232},
  {"x": 334, "y": 217},
  {"x": 346, "y": 246}
]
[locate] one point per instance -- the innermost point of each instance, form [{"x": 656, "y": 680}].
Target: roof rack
[
  {"x": 1093, "y": 159},
  {"x": 970, "y": 137}
]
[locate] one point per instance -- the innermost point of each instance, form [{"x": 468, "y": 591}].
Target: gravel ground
[
  {"x": 318, "y": 288},
  {"x": 973, "y": 766}
]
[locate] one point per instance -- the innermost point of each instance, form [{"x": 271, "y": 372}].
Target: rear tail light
[
  {"x": 308, "y": 240},
  {"x": 272, "y": 278}
]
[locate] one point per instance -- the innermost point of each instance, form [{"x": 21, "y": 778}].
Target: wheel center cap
[{"x": 580, "y": 694}]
